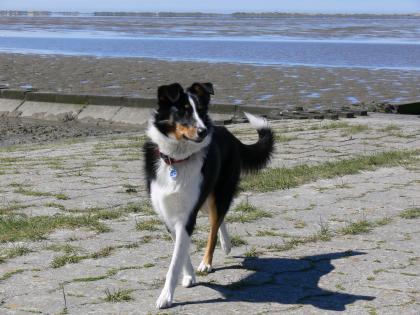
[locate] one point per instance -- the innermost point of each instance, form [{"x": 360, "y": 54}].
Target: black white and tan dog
[{"x": 191, "y": 164}]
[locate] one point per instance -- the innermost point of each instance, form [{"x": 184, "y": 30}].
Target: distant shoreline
[{"x": 205, "y": 14}]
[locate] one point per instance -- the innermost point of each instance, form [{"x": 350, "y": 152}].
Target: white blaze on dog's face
[{"x": 183, "y": 116}]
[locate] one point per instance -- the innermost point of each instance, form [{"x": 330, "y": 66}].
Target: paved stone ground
[{"x": 376, "y": 272}]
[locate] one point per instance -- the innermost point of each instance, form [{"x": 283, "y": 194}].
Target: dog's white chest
[{"x": 174, "y": 198}]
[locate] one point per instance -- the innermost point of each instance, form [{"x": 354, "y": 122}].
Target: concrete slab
[
  {"x": 218, "y": 118},
  {"x": 133, "y": 116},
  {"x": 98, "y": 113},
  {"x": 8, "y": 105},
  {"x": 50, "y": 111},
  {"x": 279, "y": 264}
]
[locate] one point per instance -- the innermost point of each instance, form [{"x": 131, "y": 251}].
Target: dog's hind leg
[
  {"x": 224, "y": 238},
  {"x": 182, "y": 244},
  {"x": 205, "y": 265}
]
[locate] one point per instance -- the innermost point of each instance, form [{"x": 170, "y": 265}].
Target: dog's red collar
[{"x": 168, "y": 160}]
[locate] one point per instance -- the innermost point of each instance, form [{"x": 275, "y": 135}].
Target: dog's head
[{"x": 183, "y": 115}]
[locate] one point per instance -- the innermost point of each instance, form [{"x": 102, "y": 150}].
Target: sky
[{"x": 219, "y": 6}]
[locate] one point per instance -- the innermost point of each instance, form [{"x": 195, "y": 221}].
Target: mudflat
[
  {"x": 277, "y": 86},
  {"x": 15, "y": 131}
]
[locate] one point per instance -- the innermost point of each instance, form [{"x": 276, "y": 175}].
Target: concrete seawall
[
  {"x": 136, "y": 111},
  {"x": 96, "y": 108}
]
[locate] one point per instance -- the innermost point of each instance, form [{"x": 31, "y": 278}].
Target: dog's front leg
[
  {"x": 188, "y": 279},
  {"x": 182, "y": 244}
]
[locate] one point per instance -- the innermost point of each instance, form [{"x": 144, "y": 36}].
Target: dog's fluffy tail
[{"x": 256, "y": 156}]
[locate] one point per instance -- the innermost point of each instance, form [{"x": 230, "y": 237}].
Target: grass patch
[
  {"x": 199, "y": 243},
  {"x": 372, "y": 310},
  {"x": 411, "y": 213},
  {"x": 72, "y": 258},
  {"x": 390, "y": 127},
  {"x": 246, "y": 212},
  {"x": 55, "y": 205},
  {"x": 54, "y": 163},
  {"x": 383, "y": 221},
  {"x": 29, "y": 192},
  {"x": 107, "y": 214},
  {"x": 331, "y": 150},
  {"x": 346, "y": 128},
  {"x": 9, "y": 274},
  {"x": 9, "y": 253},
  {"x": 267, "y": 233},
  {"x": 128, "y": 188},
  {"x": 148, "y": 225},
  {"x": 12, "y": 206},
  {"x": 60, "y": 261},
  {"x": 8, "y": 161},
  {"x": 90, "y": 279},
  {"x": 357, "y": 227},
  {"x": 237, "y": 241},
  {"x": 147, "y": 239},
  {"x": 300, "y": 224},
  {"x": 104, "y": 252},
  {"x": 120, "y": 295},
  {"x": 363, "y": 226},
  {"x": 114, "y": 271},
  {"x": 352, "y": 129},
  {"x": 35, "y": 193},
  {"x": 284, "y": 178},
  {"x": 109, "y": 273},
  {"x": 284, "y": 138},
  {"x": 17, "y": 185},
  {"x": 16, "y": 228},
  {"x": 323, "y": 235},
  {"x": 252, "y": 252},
  {"x": 66, "y": 248},
  {"x": 333, "y": 125},
  {"x": 103, "y": 214},
  {"x": 61, "y": 196},
  {"x": 144, "y": 207},
  {"x": 340, "y": 287},
  {"x": 400, "y": 134}
]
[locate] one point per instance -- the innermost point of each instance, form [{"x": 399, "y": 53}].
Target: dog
[{"x": 191, "y": 164}]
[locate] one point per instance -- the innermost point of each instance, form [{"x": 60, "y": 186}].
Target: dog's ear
[
  {"x": 202, "y": 89},
  {"x": 169, "y": 93}
]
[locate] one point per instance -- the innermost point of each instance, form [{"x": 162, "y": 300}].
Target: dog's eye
[{"x": 187, "y": 106}]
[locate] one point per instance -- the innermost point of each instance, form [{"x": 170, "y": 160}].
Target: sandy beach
[{"x": 278, "y": 86}]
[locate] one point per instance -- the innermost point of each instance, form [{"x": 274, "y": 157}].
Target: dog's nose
[{"x": 202, "y": 132}]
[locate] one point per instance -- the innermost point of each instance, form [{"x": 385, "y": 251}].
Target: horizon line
[{"x": 215, "y": 13}]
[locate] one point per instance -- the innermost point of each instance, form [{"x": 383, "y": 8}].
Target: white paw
[
  {"x": 226, "y": 246},
  {"x": 164, "y": 300},
  {"x": 188, "y": 281},
  {"x": 203, "y": 267}
]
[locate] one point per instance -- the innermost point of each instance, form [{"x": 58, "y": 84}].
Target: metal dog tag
[{"x": 173, "y": 173}]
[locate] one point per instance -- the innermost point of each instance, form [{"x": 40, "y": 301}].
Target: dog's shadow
[{"x": 286, "y": 281}]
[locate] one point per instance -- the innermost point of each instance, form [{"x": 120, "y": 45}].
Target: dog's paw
[
  {"x": 203, "y": 267},
  {"x": 226, "y": 246},
  {"x": 164, "y": 300},
  {"x": 188, "y": 281}
]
